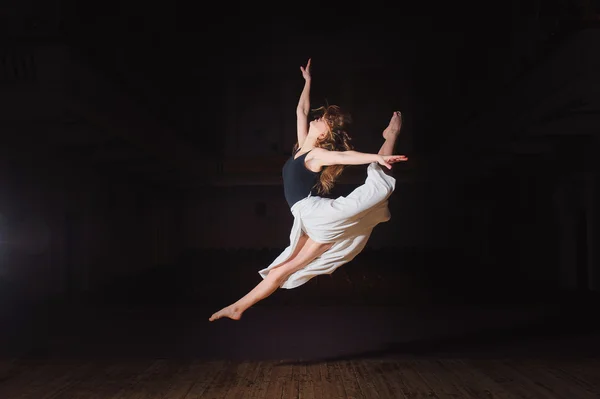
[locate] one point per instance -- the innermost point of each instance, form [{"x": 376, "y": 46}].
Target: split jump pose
[{"x": 326, "y": 233}]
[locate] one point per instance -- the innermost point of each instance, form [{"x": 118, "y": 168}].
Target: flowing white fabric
[{"x": 347, "y": 222}]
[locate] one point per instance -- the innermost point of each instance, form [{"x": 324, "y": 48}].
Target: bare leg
[
  {"x": 390, "y": 134},
  {"x": 306, "y": 254}
]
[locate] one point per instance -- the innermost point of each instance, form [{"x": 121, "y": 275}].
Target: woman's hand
[
  {"x": 388, "y": 160},
  {"x": 306, "y": 70}
]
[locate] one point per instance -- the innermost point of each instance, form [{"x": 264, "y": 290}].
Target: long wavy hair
[{"x": 336, "y": 139}]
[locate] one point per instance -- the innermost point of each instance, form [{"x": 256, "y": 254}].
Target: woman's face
[{"x": 318, "y": 127}]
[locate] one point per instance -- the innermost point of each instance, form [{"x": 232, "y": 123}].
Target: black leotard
[{"x": 298, "y": 180}]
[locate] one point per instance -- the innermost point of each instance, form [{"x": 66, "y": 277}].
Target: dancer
[{"x": 327, "y": 233}]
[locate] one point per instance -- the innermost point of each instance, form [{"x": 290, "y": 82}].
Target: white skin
[{"x": 307, "y": 250}]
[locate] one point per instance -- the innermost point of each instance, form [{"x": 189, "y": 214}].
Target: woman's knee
[{"x": 278, "y": 275}]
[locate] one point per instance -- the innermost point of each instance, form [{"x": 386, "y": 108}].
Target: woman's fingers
[
  {"x": 397, "y": 158},
  {"x": 306, "y": 69}
]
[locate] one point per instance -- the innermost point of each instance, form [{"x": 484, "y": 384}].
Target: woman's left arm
[{"x": 323, "y": 157}]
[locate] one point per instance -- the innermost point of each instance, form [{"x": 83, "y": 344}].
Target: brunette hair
[{"x": 336, "y": 139}]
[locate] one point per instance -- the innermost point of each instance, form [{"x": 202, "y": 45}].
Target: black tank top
[{"x": 298, "y": 181}]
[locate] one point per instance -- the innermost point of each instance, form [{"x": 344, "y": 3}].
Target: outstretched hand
[
  {"x": 306, "y": 70},
  {"x": 388, "y": 160}
]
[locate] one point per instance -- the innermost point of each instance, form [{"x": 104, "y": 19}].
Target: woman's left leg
[{"x": 309, "y": 251}]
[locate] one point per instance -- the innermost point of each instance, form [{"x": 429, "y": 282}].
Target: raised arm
[
  {"x": 322, "y": 157},
  {"x": 303, "y": 106}
]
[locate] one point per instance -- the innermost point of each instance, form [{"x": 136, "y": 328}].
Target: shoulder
[
  {"x": 313, "y": 159},
  {"x": 317, "y": 152},
  {"x": 319, "y": 157}
]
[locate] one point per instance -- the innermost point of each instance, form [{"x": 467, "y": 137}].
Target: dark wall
[
  {"x": 505, "y": 223},
  {"x": 68, "y": 228}
]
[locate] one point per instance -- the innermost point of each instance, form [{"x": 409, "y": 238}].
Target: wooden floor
[
  {"x": 383, "y": 378},
  {"x": 365, "y": 332}
]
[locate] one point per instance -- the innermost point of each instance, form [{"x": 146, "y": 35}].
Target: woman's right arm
[{"x": 303, "y": 106}]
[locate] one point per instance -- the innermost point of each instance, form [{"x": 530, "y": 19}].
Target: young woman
[{"x": 326, "y": 233}]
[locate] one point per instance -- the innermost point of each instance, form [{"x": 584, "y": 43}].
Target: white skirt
[{"x": 347, "y": 222}]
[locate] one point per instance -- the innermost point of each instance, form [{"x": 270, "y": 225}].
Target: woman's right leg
[
  {"x": 378, "y": 186},
  {"x": 380, "y": 183},
  {"x": 391, "y": 134}
]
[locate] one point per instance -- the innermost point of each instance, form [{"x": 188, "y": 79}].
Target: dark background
[{"x": 141, "y": 147}]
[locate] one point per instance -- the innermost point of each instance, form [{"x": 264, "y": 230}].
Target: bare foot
[
  {"x": 230, "y": 311},
  {"x": 394, "y": 127}
]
